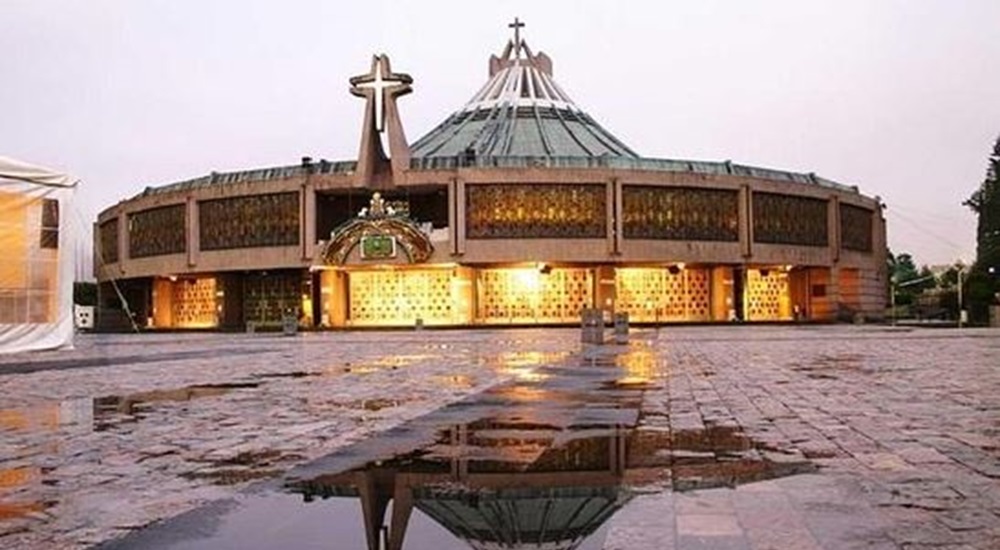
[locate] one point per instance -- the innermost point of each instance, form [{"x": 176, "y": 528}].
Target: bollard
[
  {"x": 621, "y": 328},
  {"x": 592, "y": 326},
  {"x": 251, "y": 327},
  {"x": 289, "y": 326},
  {"x": 419, "y": 324}
]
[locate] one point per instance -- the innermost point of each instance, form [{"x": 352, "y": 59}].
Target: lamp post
[{"x": 962, "y": 315}]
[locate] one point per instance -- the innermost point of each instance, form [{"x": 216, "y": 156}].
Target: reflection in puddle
[
  {"x": 519, "y": 485},
  {"x": 244, "y": 466},
  {"x": 10, "y": 480},
  {"x": 18, "y": 510},
  {"x": 104, "y": 412},
  {"x": 491, "y": 484},
  {"x": 538, "y": 464},
  {"x": 541, "y": 462},
  {"x": 112, "y": 410}
]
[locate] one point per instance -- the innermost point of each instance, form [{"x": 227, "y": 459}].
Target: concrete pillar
[
  {"x": 746, "y": 221},
  {"x": 833, "y": 227},
  {"x": 614, "y": 216},
  {"x": 459, "y": 214},
  {"x": 192, "y": 231},
  {"x": 123, "y": 241},
  {"x": 307, "y": 219}
]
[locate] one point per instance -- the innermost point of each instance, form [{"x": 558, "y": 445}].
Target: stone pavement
[
  {"x": 902, "y": 424},
  {"x": 905, "y": 423}
]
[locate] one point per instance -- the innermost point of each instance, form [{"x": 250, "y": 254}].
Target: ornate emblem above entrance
[{"x": 381, "y": 233}]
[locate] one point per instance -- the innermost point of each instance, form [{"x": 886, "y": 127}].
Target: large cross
[
  {"x": 380, "y": 81},
  {"x": 517, "y": 25}
]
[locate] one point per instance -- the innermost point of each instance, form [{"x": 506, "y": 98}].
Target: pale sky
[{"x": 898, "y": 97}]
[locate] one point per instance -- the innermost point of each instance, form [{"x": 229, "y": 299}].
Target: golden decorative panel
[
  {"x": 663, "y": 294},
  {"x": 855, "y": 228},
  {"x": 787, "y": 219},
  {"x": 534, "y": 295},
  {"x": 767, "y": 295},
  {"x": 395, "y": 297},
  {"x": 195, "y": 303},
  {"x": 680, "y": 213},
  {"x": 107, "y": 241},
  {"x": 523, "y": 211},
  {"x": 157, "y": 231},
  {"x": 251, "y": 221}
]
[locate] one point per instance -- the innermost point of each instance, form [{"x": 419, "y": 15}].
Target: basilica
[{"x": 519, "y": 208}]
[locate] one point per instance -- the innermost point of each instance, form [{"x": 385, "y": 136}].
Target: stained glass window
[
  {"x": 107, "y": 234},
  {"x": 681, "y": 213},
  {"x": 855, "y": 228},
  {"x": 788, "y": 219},
  {"x": 503, "y": 211},
  {"x": 157, "y": 231},
  {"x": 251, "y": 221}
]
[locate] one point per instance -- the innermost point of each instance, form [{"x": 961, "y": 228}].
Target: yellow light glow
[
  {"x": 527, "y": 280},
  {"x": 640, "y": 367}
]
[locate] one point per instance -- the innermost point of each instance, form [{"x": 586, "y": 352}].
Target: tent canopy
[
  {"x": 17, "y": 170},
  {"x": 37, "y": 243}
]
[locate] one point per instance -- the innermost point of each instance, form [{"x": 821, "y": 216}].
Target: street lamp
[{"x": 962, "y": 315}]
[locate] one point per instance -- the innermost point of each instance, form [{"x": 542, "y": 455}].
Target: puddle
[
  {"x": 102, "y": 413},
  {"x": 114, "y": 410},
  {"x": 21, "y": 510},
  {"x": 17, "y": 507},
  {"x": 393, "y": 362},
  {"x": 541, "y": 462}
]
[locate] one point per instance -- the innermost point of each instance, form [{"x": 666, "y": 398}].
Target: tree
[
  {"x": 904, "y": 278},
  {"x": 984, "y": 279}
]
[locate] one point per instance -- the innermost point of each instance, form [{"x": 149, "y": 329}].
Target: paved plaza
[{"x": 893, "y": 433}]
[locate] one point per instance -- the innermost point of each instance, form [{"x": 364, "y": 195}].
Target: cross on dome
[
  {"x": 517, "y": 25},
  {"x": 379, "y": 82}
]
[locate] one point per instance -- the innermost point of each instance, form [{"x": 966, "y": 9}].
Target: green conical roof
[{"x": 521, "y": 111}]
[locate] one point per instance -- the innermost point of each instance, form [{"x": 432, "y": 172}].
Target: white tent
[{"x": 36, "y": 257}]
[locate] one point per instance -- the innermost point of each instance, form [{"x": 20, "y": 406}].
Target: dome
[
  {"x": 520, "y": 111},
  {"x": 553, "y": 518}
]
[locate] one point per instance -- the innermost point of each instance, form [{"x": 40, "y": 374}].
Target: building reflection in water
[{"x": 507, "y": 485}]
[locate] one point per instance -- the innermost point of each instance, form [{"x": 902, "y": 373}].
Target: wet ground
[{"x": 721, "y": 437}]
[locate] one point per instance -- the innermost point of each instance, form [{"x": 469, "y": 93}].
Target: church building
[{"x": 519, "y": 208}]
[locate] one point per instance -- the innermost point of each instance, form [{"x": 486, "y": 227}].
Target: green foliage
[
  {"x": 984, "y": 280},
  {"x": 905, "y": 280}
]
